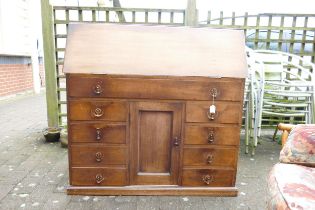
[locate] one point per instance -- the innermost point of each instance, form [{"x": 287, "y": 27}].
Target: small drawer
[
  {"x": 111, "y": 133},
  {"x": 183, "y": 88},
  {"x": 226, "y": 112},
  {"x": 99, "y": 176},
  {"x": 212, "y": 134},
  {"x": 208, "y": 177},
  {"x": 95, "y": 155},
  {"x": 221, "y": 157},
  {"x": 98, "y": 110}
]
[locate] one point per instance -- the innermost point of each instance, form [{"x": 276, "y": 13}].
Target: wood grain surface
[{"x": 155, "y": 50}]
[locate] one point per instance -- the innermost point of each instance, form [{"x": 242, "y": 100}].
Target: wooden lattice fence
[
  {"x": 63, "y": 15},
  {"x": 269, "y": 31},
  {"x": 292, "y": 33}
]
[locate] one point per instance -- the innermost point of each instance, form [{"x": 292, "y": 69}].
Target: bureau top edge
[{"x": 155, "y": 77}]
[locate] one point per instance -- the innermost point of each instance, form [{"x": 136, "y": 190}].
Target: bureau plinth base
[{"x": 154, "y": 190}]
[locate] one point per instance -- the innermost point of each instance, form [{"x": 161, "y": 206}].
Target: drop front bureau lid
[{"x": 155, "y": 50}]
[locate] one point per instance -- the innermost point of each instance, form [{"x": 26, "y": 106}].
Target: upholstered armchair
[{"x": 292, "y": 180}]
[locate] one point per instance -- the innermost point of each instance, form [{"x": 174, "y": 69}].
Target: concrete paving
[{"x": 34, "y": 174}]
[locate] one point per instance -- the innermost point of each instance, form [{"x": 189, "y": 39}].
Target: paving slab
[{"x": 34, "y": 174}]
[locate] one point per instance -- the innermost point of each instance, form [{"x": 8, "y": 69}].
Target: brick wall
[
  {"x": 16, "y": 74},
  {"x": 15, "y": 78}
]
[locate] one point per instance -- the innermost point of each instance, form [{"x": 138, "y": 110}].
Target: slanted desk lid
[{"x": 155, "y": 50}]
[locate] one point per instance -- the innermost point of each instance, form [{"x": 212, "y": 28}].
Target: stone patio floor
[{"x": 34, "y": 174}]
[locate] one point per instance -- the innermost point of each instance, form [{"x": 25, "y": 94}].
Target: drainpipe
[{"x": 33, "y": 17}]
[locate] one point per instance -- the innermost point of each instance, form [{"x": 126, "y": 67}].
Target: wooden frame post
[
  {"x": 50, "y": 64},
  {"x": 191, "y": 13}
]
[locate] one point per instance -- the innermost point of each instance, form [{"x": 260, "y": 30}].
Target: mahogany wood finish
[
  {"x": 155, "y": 133},
  {"x": 227, "y": 112},
  {"x": 98, "y": 176},
  {"x": 138, "y": 100},
  {"x": 146, "y": 135},
  {"x": 208, "y": 177},
  {"x": 96, "y": 155},
  {"x": 211, "y": 134},
  {"x": 97, "y": 110},
  {"x": 153, "y": 190},
  {"x": 210, "y": 156},
  {"x": 122, "y": 49},
  {"x": 154, "y": 87},
  {"x": 94, "y": 132}
]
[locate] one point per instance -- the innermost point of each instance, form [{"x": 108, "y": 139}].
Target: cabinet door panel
[
  {"x": 155, "y": 133},
  {"x": 157, "y": 137}
]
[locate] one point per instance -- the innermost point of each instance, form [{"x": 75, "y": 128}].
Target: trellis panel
[
  {"x": 288, "y": 35},
  {"x": 62, "y": 17},
  {"x": 260, "y": 36}
]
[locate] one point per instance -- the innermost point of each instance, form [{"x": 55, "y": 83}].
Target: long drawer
[
  {"x": 99, "y": 176},
  {"x": 93, "y": 132},
  {"x": 208, "y": 177},
  {"x": 215, "y": 156},
  {"x": 155, "y": 88},
  {"x": 226, "y": 112},
  {"x": 97, "y": 110},
  {"x": 207, "y": 134},
  {"x": 96, "y": 155}
]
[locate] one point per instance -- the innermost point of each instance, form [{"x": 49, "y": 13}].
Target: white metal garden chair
[
  {"x": 254, "y": 87},
  {"x": 289, "y": 87}
]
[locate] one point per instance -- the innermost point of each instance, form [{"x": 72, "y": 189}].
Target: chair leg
[
  {"x": 258, "y": 132},
  {"x": 253, "y": 139},
  {"x": 252, "y": 125},
  {"x": 246, "y": 129},
  {"x": 284, "y": 137},
  {"x": 258, "y": 124},
  {"x": 275, "y": 134},
  {"x": 253, "y": 152}
]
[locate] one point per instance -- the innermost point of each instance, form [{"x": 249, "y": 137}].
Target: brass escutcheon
[
  {"x": 98, "y": 89},
  {"x": 207, "y": 179},
  {"x": 98, "y": 156},
  {"x": 98, "y": 134},
  {"x": 98, "y": 112},
  {"x": 99, "y": 178},
  {"x": 214, "y": 92},
  {"x": 211, "y": 136},
  {"x": 176, "y": 141},
  {"x": 211, "y": 116},
  {"x": 209, "y": 158}
]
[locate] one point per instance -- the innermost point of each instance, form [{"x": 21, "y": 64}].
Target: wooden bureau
[{"x": 146, "y": 133}]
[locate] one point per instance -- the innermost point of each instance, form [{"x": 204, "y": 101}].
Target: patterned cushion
[
  {"x": 291, "y": 187},
  {"x": 300, "y": 146}
]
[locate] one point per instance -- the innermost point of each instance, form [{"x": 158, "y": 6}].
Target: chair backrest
[
  {"x": 256, "y": 77},
  {"x": 273, "y": 65},
  {"x": 288, "y": 77},
  {"x": 286, "y": 67}
]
